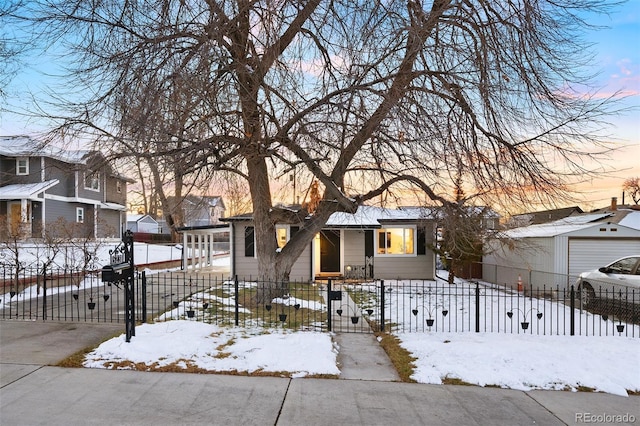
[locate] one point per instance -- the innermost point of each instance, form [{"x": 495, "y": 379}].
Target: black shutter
[
  {"x": 382, "y": 241},
  {"x": 368, "y": 242},
  {"x": 249, "y": 247},
  {"x": 422, "y": 241},
  {"x": 293, "y": 230}
]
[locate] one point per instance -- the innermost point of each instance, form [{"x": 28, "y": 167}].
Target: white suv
[{"x": 619, "y": 280}]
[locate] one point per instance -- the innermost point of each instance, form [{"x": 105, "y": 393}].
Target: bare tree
[
  {"x": 11, "y": 250},
  {"x": 11, "y": 44},
  {"x": 236, "y": 198},
  {"x": 632, "y": 188},
  {"x": 366, "y": 96},
  {"x": 461, "y": 231}
]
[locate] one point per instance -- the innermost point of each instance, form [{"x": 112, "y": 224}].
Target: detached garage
[
  {"x": 591, "y": 253},
  {"x": 142, "y": 223},
  {"x": 553, "y": 254}
]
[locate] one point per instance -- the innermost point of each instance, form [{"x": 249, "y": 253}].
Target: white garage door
[{"x": 588, "y": 254}]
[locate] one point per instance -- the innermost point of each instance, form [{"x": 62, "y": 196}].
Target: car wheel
[{"x": 587, "y": 294}]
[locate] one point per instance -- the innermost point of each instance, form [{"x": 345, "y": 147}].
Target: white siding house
[{"x": 372, "y": 243}]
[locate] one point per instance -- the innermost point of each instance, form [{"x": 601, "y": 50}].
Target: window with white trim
[
  {"x": 396, "y": 242},
  {"x": 249, "y": 242},
  {"x": 22, "y": 166},
  {"x": 119, "y": 187},
  {"x": 284, "y": 233},
  {"x": 80, "y": 214},
  {"x": 92, "y": 181}
]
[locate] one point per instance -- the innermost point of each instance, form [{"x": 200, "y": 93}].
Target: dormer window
[
  {"x": 92, "y": 181},
  {"x": 22, "y": 166},
  {"x": 119, "y": 187}
]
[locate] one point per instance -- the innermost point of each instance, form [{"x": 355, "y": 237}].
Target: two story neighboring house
[
  {"x": 42, "y": 185},
  {"x": 199, "y": 210}
]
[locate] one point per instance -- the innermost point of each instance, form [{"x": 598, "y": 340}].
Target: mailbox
[
  {"x": 335, "y": 295},
  {"x": 116, "y": 272}
]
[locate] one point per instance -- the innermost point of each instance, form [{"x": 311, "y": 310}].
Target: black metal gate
[
  {"x": 351, "y": 309},
  {"x": 121, "y": 272},
  {"x": 50, "y": 294}
]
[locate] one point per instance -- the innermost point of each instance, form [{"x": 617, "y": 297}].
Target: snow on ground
[
  {"x": 526, "y": 362},
  {"x": 70, "y": 256},
  {"x": 518, "y": 361},
  {"x": 214, "y": 348},
  {"x": 91, "y": 284}
]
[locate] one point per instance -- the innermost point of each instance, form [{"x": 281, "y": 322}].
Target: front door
[
  {"x": 330, "y": 251},
  {"x": 15, "y": 219}
]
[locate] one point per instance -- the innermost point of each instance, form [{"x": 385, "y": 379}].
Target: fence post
[
  {"x": 44, "y": 291},
  {"x": 329, "y": 305},
  {"x": 477, "y": 307},
  {"x": 236, "y": 301},
  {"x": 130, "y": 287},
  {"x": 382, "y": 318},
  {"x": 143, "y": 296},
  {"x": 572, "y": 315}
]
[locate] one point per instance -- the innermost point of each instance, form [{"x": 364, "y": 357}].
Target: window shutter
[
  {"x": 422, "y": 241},
  {"x": 382, "y": 242},
  {"x": 368, "y": 242},
  {"x": 249, "y": 247}
]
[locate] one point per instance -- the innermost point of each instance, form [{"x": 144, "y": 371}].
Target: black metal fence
[
  {"x": 405, "y": 306},
  {"x": 233, "y": 302},
  {"x": 427, "y": 306},
  {"x": 59, "y": 295}
]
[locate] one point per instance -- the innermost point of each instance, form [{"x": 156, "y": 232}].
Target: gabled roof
[
  {"x": 546, "y": 216},
  {"x": 139, "y": 217},
  {"x": 371, "y": 216},
  {"x": 631, "y": 219},
  {"x": 557, "y": 227},
  {"x": 199, "y": 201},
  {"x": 25, "y": 190},
  {"x": 364, "y": 217},
  {"x": 24, "y": 146}
]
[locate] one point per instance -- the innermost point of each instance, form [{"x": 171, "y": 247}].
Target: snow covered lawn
[
  {"x": 190, "y": 344},
  {"x": 606, "y": 364},
  {"x": 526, "y": 362}
]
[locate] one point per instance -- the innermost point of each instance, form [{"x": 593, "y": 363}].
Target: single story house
[
  {"x": 142, "y": 223},
  {"x": 372, "y": 243},
  {"x": 555, "y": 253}
]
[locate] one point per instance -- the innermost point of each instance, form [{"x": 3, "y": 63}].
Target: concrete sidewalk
[{"x": 33, "y": 393}]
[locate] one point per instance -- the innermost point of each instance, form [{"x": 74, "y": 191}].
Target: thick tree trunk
[{"x": 270, "y": 278}]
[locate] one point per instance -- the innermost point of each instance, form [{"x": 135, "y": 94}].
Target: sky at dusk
[{"x": 616, "y": 65}]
